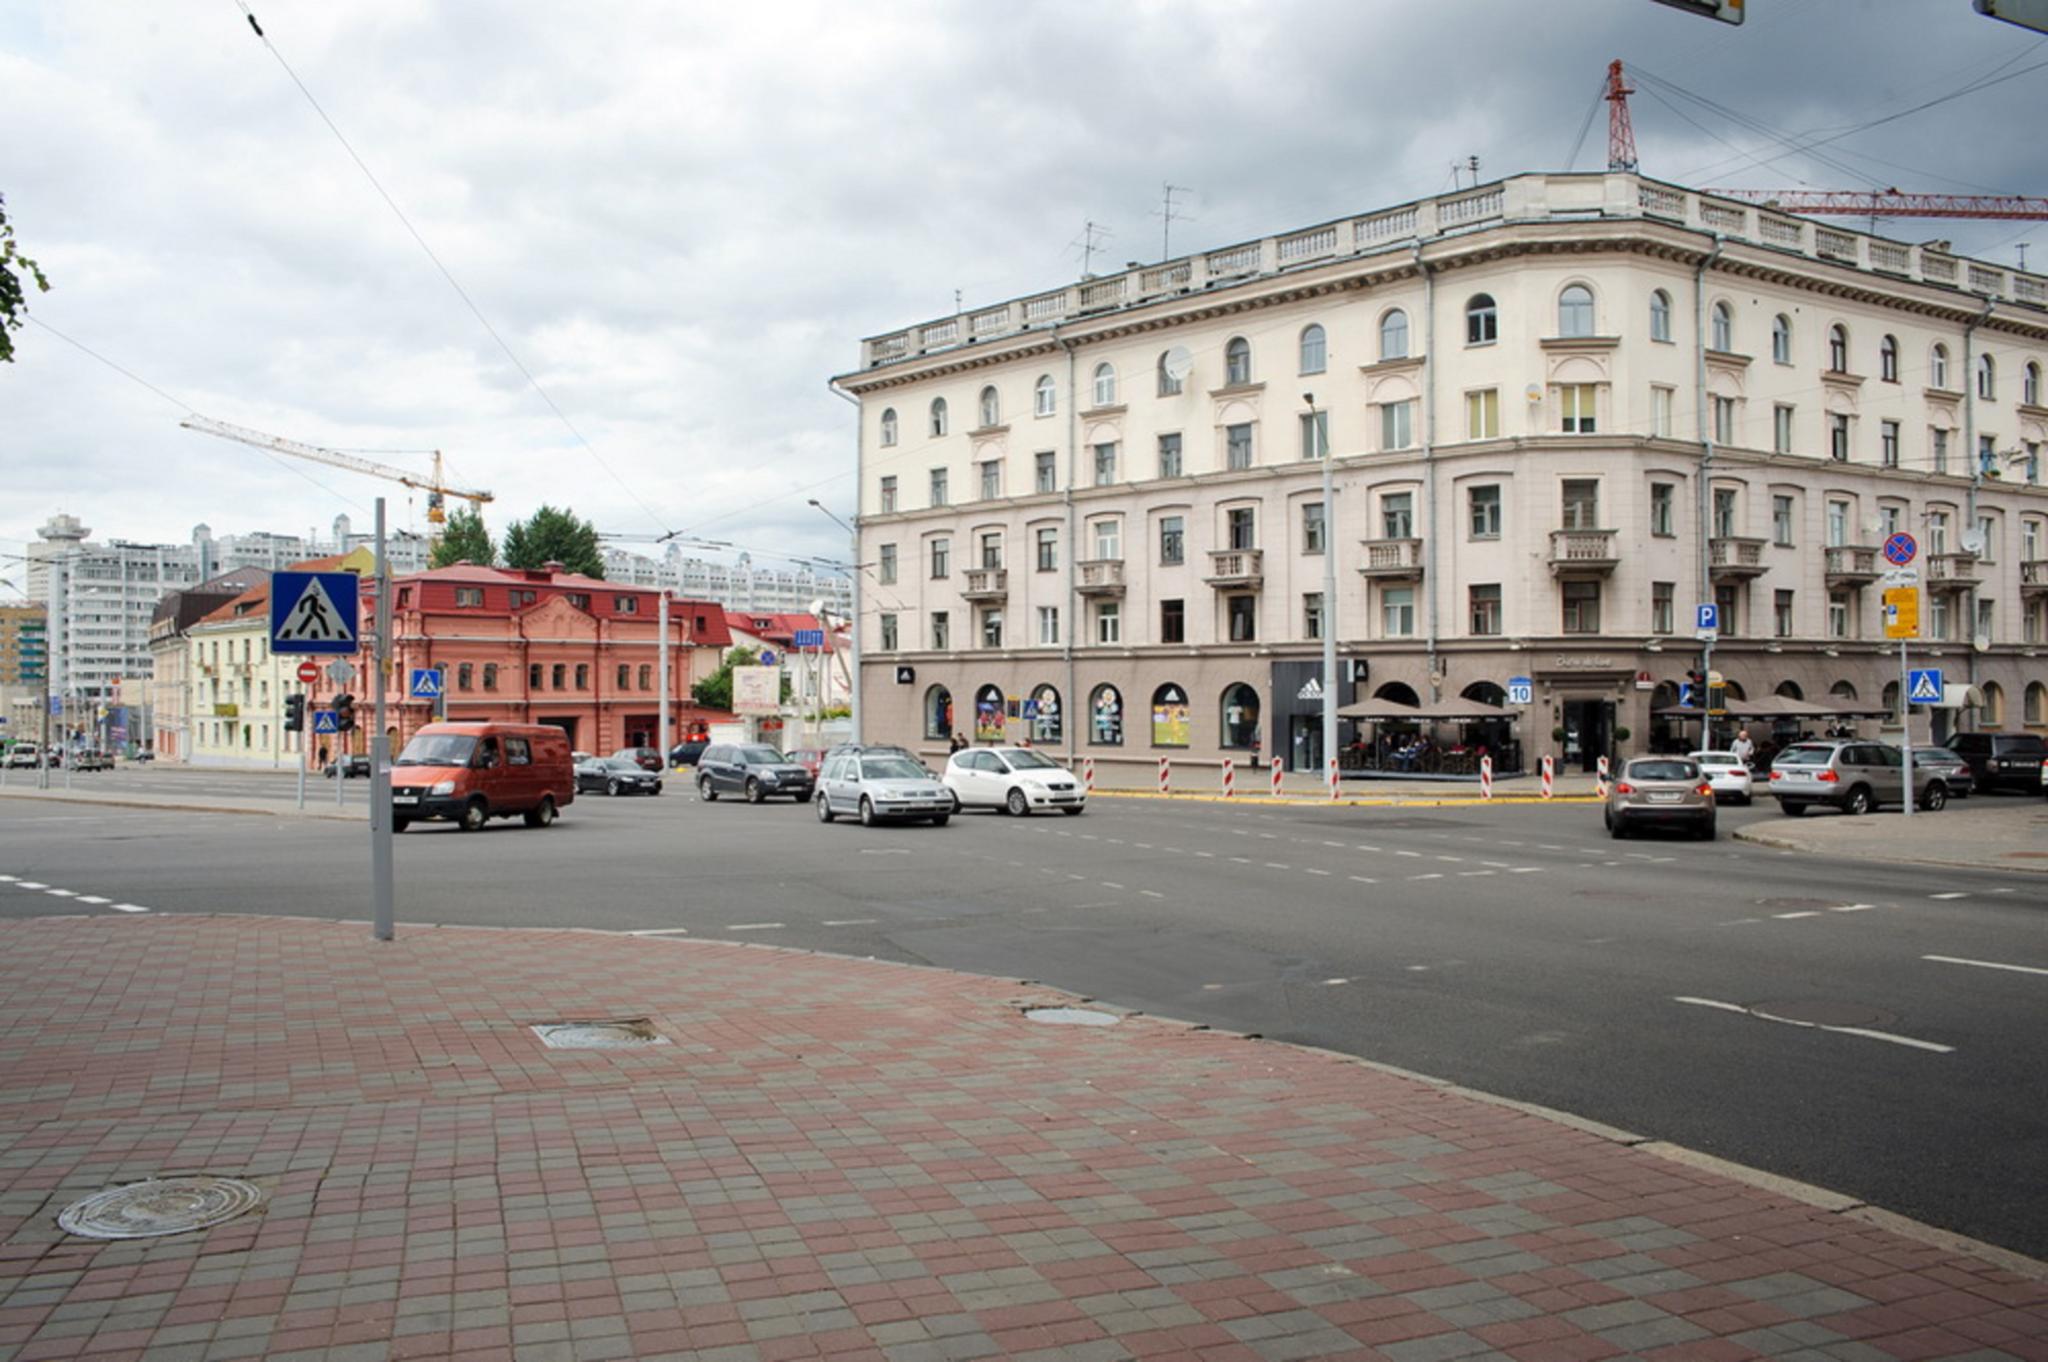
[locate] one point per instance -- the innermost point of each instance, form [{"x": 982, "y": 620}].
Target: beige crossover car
[{"x": 1661, "y": 792}]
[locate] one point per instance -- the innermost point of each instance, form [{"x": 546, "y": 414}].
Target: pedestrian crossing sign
[
  {"x": 426, "y": 683},
  {"x": 313, "y": 612},
  {"x": 324, "y": 721},
  {"x": 1923, "y": 686}
]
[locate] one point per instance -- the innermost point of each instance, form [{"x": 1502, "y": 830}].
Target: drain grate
[
  {"x": 1071, "y": 1016},
  {"x": 143, "y": 1210},
  {"x": 632, "y": 1033}
]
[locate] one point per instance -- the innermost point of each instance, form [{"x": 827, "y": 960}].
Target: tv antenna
[
  {"x": 1089, "y": 244},
  {"x": 1167, "y": 217}
]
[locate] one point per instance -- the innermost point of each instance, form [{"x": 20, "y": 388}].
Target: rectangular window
[
  {"x": 1581, "y": 504},
  {"x": 1663, "y": 500},
  {"x": 1169, "y": 455},
  {"x": 1576, "y": 404},
  {"x": 1044, "y": 471},
  {"x": 1838, "y": 437},
  {"x": 1315, "y": 434},
  {"x": 1048, "y": 549},
  {"x": 1937, "y": 440},
  {"x": 1105, "y": 464},
  {"x": 888, "y": 494},
  {"x": 991, "y": 628},
  {"x": 1109, "y": 622},
  {"x": 1781, "y": 614},
  {"x": 1987, "y": 454},
  {"x": 1660, "y": 411},
  {"x": 1397, "y": 515},
  {"x": 1581, "y": 607},
  {"x": 1781, "y": 429},
  {"x": 1937, "y": 531},
  {"x": 1243, "y": 528},
  {"x": 579, "y": 599},
  {"x": 465, "y": 676},
  {"x": 1724, "y": 420},
  {"x": 991, "y": 479},
  {"x": 1987, "y": 532},
  {"x": 1109, "y": 539},
  {"x": 942, "y": 558},
  {"x": 1987, "y": 616},
  {"x": 1838, "y": 524},
  {"x": 1729, "y": 600},
  {"x": 1486, "y": 616},
  {"x": 1173, "y": 621},
  {"x": 885, "y": 568},
  {"x": 1312, "y": 615},
  {"x": 1244, "y": 618},
  {"x": 888, "y": 633},
  {"x": 1781, "y": 521},
  {"x": 1724, "y": 512},
  {"x": 1485, "y": 504},
  {"x": 471, "y": 596},
  {"x": 490, "y": 676},
  {"x": 1237, "y": 446},
  {"x": 1838, "y": 614},
  {"x": 1937, "y": 615},
  {"x": 1482, "y": 414},
  {"x": 1892, "y": 519},
  {"x": 560, "y": 676},
  {"x": 1048, "y": 625},
  {"x": 1397, "y": 611},
  {"x": 942, "y": 631},
  {"x": 1312, "y": 527},
  {"x": 1663, "y": 607},
  {"x": 938, "y": 487},
  {"x": 1888, "y": 444},
  {"x": 2030, "y": 541},
  {"x": 992, "y": 549},
  {"x": 583, "y": 676},
  {"x": 1172, "y": 539},
  {"x": 1397, "y": 425}
]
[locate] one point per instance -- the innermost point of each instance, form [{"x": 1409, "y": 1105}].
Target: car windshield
[
  {"x": 1029, "y": 761},
  {"x": 890, "y": 768},
  {"x": 1662, "y": 770},
  {"x": 1718, "y": 758},
  {"x": 623, "y": 764},
  {"x": 761, "y": 754},
  {"x": 437, "y": 749},
  {"x": 1804, "y": 756}
]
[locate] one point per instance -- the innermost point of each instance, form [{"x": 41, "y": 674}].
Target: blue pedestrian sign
[
  {"x": 56, "y": 704},
  {"x": 426, "y": 683},
  {"x": 1923, "y": 686},
  {"x": 810, "y": 638},
  {"x": 1901, "y": 549},
  {"x": 1521, "y": 691},
  {"x": 324, "y": 721},
  {"x": 313, "y": 612}
]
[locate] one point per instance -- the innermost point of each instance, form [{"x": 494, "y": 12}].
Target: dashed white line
[
  {"x": 1111, "y": 884},
  {"x": 93, "y": 899},
  {"x": 1953, "y": 894},
  {"x": 1433, "y": 875},
  {"x": 1497, "y": 865},
  {"x": 1332, "y": 983},
  {"x": 1865, "y": 1032},
  {"x": 1811, "y": 912},
  {"x": 1455, "y": 860},
  {"x": 1363, "y": 879},
  {"x": 30, "y": 884},
  {"x": 1278, "y": 865},
  {"x": 752, "y": 926},
  {"x": 1414, "y": 854},
  {"x": 1152, "y": 893},
  {"x": 1985, "y": 964},
  {"x": 1469, "y": 874},
  {"x": 849, "y": 922},
  {"x": 62, "y": 893},
  {"x": 660, "y": 931},
  {"x": 130, "y": 908},
  {"x": 1360, "y": 846},
  {"x": 1525, "y": 870},
  {"x": 1852, "y": 908},
  {"x": 9, "y": 879},
  {"x": 1311, "y": 870}
]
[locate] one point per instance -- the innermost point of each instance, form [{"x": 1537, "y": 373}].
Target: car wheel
[
  {"x": 1790, "y": 809},
  {"x": 753, "y": 790},
  {"x": 825, "y": 814},
  {"x": 400, "y": 824},
  {"x": 611, "y": 787},
  {"x": 1858, "y": 803},
  {"x": 1706, "y": 831},
  {"x": 1936, "y": 798},
  {"x": 939, "y": 820},
  {"x": 543, "y": 815},
  {"x": 704, "y": 790},
  {"x": 1618, "y": 830},
  {"x": 1017, "y": 804},
  {"x": 474, "y": 813},
  {"x": 955, "y": 794},
  {"x": 657, "y": 788},
  {"x": 867, "y": 812}
]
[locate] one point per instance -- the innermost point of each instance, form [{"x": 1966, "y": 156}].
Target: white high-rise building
[{"x": 740, "y": 585}]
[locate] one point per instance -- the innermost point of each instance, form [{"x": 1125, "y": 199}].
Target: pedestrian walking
[{"x": 1743, "y": 748}]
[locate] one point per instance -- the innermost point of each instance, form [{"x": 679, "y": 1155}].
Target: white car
[
  {"x": 1726, "y": 773},
  {"x": 1013, "y": 778}
]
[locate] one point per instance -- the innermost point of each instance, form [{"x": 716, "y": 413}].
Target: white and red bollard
[
  {"x": 1229, "y": 778},
  {"x": 1600, "y": 778},
  {"x": 1277, "y": 771},
  {"x": 1549, "y": 772},
  {"x": 1088, "y": 774},
  {"x": 1166, "y": 775},
  {"x": 1486, "y": 777},
  {"x": 1333, "y": 778}
]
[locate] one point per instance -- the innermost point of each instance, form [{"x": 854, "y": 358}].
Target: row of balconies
[{"x": 1573, "y": 554}]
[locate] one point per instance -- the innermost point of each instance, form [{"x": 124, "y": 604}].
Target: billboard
[{"x": 757, "y": 690}]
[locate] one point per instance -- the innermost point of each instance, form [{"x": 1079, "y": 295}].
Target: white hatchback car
[
  {"x": 1726, "y": 773},
  {"x": 1013, "y": 778}
]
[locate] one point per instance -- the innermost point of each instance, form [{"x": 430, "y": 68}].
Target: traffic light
[
  {"x": 344, "y": 712},
  {"x": 294, "y": 713}
]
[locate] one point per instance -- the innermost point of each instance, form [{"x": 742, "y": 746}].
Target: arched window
[
  {"x": 991, "y": 408},
  {"x": 1842, "y": 690},
  {"x": 1106, "y": 717},
  {"x": 1394, "y": 335},
  {"x": 1888, "y": 359},
  {"x": 1891, "y": 698},
  {"x": 1169, "y": 716},
  {"x": 938, "y": 713},
  {"x": 1482, "y": 320},
  {"x": 1660, "y": 315},
  {"x": 1400, "y": 692},
  {"x": 1937, "y": 367},
  {"x": 1838, "y": 349},
  {"x": 1575, "y": 311},
  {"x": 1237, "y": 361},
  {"x": 1722, "y": 337},
  {"x": 1315, "y": 350},
  {"x": 988, "y": 714},
  {"x": 1240, "y": 716},
  {"x": 2030, "y": 384},
  {"x": 888, "y": 426},
  {"x": 1486, "y": 693},
  {"x": 465, "y": 676},
  {"x": 1105, "y": 385},
  {"x": 2037, "y": 704},
  {"x": 1045, "y": 717},
  {"x": 1169, "y": 386},
  {"x": 1789, "y": 690},
  {"x": 1045, "y": 398},
  {"x": 1987, "y": 377},
  {"x": 490, "y": 676},
  {"x": 1781, "y": 339},
  {"x": 1993, "y": 713},
  {"x": 938, "y": 416}
]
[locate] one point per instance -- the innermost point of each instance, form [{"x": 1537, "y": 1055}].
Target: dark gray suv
[{"x": 754, "y": 770}]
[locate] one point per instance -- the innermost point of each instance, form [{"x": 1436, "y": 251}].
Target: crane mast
[{"x": 435, "y": 485}]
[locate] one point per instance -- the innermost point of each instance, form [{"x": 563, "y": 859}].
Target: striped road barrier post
[
  {"x": 1088, "y": 774},
  {"x": 1229, "y": 778},
  {"x": 1275, "y": 764},
  {"x": 1600, "y": 779},
  {"x": 1333, "y": 777},
  {"x": 1549, "y": 765},
  {"x": 1166, "y": 775},
  {"x": 1486, "y": 777}
]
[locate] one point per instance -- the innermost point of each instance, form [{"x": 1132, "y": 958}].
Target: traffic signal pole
[{"x": 380, "y": 753}]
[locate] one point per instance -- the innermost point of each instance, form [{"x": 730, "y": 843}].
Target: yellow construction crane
[{"x": 434, "y": 485}]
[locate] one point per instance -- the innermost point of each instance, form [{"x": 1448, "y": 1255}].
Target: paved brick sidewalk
[{"x": 844, "y": 1159}]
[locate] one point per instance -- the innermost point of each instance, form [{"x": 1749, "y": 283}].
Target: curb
[
  {"x": 101, "y": 801},
  {"x": 1779, "y": 842},
  {"x": 1349, "y": 802}
]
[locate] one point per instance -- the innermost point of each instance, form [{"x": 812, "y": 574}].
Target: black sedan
[
  {"x": 350, "y": 768},
  {"x": 616, "y": 776}
]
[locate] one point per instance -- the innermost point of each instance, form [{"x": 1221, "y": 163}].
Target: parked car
[
  {"x": 144, "y": 755},
  {"x": 471, "y": 773},
  {"x": 23, "y": 754},
  {"x": 687, "y": 752},
  {"x": 755, "y": 770},
  {"x": 812, "y": 759},
  {"x": 646, "y": 758},
  {"x": 92, "y": 761},
  {"x": 1854, "y": 777},
  {"x": 616, "y": 776},
  {"x": 349, "y": 766},
  {"x": 1661, "y": 792},
  {"x": 874, "y": 786},
  {"x": 1950, "y": 766},
  {"x": 1728, "y": 775},
  {"x": 1016, "y": 779},
  {"x": 2002, "y": 761}
]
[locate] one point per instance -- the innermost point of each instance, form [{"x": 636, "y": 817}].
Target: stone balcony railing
[
  {"x": 2034, "y": 577},
  {"x": 1951, "y": 571},
  {"x": 1850, "y": 564},
  {"x": 1733, "y": 558},
  {"x": 1237, "y": 569},
  {"x": 987, "y": 584},
  {"x": 1582, "y": 553},
  {"x": 1099, "y": 576},
  {"x": 1392, "y": 560}
]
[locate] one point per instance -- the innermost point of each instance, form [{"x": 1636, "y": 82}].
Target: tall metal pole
[
  {"x": 853, "y": 566},
  {"x": 380, "y": 754},
  {"x": 1319, "y": 433},
  {"x": 1906, "y": 728},
  {"x": 662, "y": 615}
]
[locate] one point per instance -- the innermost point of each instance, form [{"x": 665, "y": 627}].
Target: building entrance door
[
  {"x": 1588, "y": 732},
  {"x": 1305, "y": 743},
  {"x": 568, "y": 727}
]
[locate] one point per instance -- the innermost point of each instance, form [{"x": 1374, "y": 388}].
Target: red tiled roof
[
  {"x": 776, "y": 628},
  {"x": 245, "y": 605}
]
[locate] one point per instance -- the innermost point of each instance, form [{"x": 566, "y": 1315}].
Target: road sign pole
[
  {"x": 380, "y": 753},
  {"x": 1906, "y": 726},
  {"x": 302, "y": 771}
]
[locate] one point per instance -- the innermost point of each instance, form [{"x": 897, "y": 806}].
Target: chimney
[{"x": 554, "y": 567}]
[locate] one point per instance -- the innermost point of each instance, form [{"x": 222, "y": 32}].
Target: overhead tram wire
[
  {"x": 445, "y": 273},
  {"x": 1592, "y": 111}
]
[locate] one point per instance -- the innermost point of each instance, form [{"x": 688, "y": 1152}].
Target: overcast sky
[{"x": 682, "y": 217}]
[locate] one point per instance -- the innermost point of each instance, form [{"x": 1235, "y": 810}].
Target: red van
[{"x": 471, "y": 773}]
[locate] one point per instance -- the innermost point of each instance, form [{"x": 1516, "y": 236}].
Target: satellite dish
[
  {"x": 1178, "y": 363},
  {"x": 1533, "y": 393},
  {"x": 1873, "y": 525},
  {"x": 1973, "y": 542},
  {"x": 1982, "y": 643}
]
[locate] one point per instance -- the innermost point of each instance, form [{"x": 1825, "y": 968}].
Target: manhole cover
[
  {"x": 1070, "y": 1016},
  {"x": 631, "y": 1034},
  {"x": 1815, "y": 1013},
  {"x": 142, "y": 1210}
]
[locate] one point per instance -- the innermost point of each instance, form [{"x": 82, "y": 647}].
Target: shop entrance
[
  {"x": 1588, "y": 732},
  {"x": 1305, "y": 743}
]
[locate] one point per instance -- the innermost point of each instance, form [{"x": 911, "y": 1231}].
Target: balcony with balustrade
[
  {"x": 1732, "y": 558},
  {"x": 1583, "y": 553},
  {"x": 1392, "y": 560},
  {"x": 1850, "y": 565},
  {"x": 1952, "y": 571},
  {"x": 987, "y": 586},
  {"x": 1237, "y": 569},
  {"x": 2034, "y": 578},
  {"x": 1102, "y": 578}
]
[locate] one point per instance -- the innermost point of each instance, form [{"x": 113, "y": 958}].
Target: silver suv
[{"x": 1855, "y": 777}]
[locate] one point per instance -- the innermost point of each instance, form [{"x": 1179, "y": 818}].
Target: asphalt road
[{"x": 1513, "y": 949}]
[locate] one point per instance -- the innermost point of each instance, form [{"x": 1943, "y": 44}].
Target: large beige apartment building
[{"x": 1563, "y": 410}]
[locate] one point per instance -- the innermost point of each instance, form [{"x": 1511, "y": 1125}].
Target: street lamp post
[
  {"x": 1319, "y": 433},
  {"x": 853, "y": 560}
]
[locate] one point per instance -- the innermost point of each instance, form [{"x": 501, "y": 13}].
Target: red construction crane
[{"x": 1621, "y": 137}]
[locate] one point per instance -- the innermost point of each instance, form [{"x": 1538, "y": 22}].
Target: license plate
[
  {"x": 1664, "y": 798},
  {"x": 405, "y": 799}
]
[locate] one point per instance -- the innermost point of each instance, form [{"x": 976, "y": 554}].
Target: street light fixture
[
  {"x": 1318, "y": 434},
  {"x": 853, "y": 558}
]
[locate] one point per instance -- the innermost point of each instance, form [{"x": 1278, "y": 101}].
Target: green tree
[
  {"x": 465, "y": 537},
  {"x": 14, "y": 267},
  {"x": 557, "y": 536},
  {"x": 715, "y": 690}
]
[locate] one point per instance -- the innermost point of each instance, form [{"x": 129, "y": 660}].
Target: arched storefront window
[
  {"x": 1400, "y": 692},
  {"x": 1790, "y": 690},
  {"x": 1106, "y": 717},
  {"x": 1240, "y": 716},
  {"x": 938, "y": 713},
  {"x": 1169, "y": 716},
  {"x": 1043, "y": 713},
  {"x": 988, "y": 714},
  {"x": 1891, "y": 699}
]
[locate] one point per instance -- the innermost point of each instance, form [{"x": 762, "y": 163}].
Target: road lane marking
[
  {"x": 1111, "y": 884},
  {"x": 1333, "y": 844},
  {"x": 1525, "y": 870},
  {"x": 1468, "y": 874},
  {"x": 1311, "y": 870},
  {"x": 1277, "y": 865},
  {"x": 1433, "y": 875},
  {"x": 30, "y": 884},
  {"x": 1954, "y": 894},
  {"x": 661, "y": 931},
  {"x": 1364, "y": 880},
  {"x": 1455, "y": 860},
  {"x": 1810, "y": 912},
  {"x": 1985, "y": 964},
  {"x": 93, "y": 899},
  {"x": 9, "y": 879},
  {"x": 1152, "y": 893},
  {"x": 849, "y": 922},
  {"x": 752, "y": 926},
  {"x": 1332, "y": 983},
  {"x": 62, "y": 893},
  {"x": 1864, "y": 1032},
  {"x": 1360, "y": 846},
  {"x": 1852, "y": 908},
  {"x": 1416, "y": 854},
  {"x": 130, "y": 908},
  {"x": 1497, "y": 865},
  {"x": 885, "y": 851}
]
